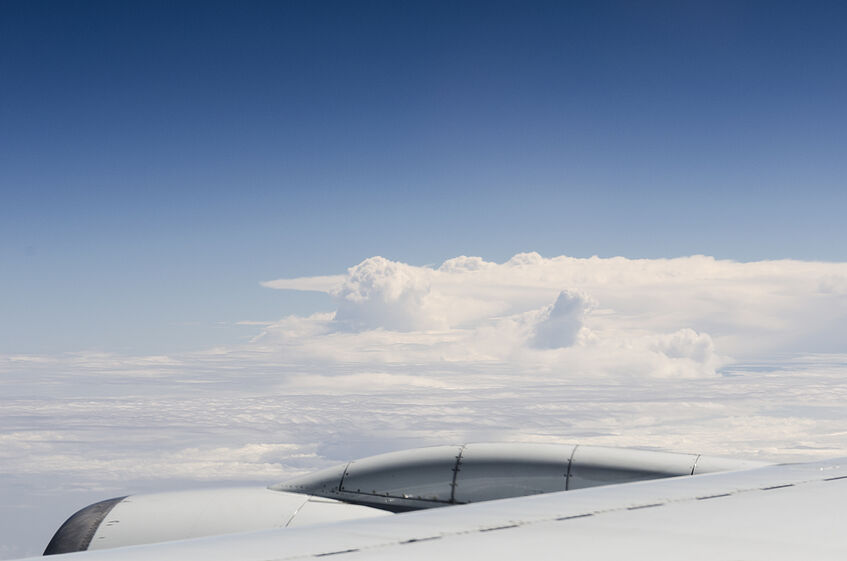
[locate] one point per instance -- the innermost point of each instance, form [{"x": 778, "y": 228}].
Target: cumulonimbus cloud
[{"x": 593, "y": 317}]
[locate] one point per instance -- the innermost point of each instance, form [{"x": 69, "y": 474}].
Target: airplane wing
[{"x": 773, "y": 512}]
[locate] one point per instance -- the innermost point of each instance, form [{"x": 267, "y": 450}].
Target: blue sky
[{"x": 158, "y": 160}]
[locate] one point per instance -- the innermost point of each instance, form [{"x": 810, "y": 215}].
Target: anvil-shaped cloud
[{"x": 593, "y": 317}]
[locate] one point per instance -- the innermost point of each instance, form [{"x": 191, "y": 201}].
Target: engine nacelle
[{"x": 445, "y": 475}]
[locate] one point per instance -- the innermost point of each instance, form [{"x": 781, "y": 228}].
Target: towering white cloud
[
  {"x": 561, "y": 322},
  {"x": 379, "y": 293},
  {"x": 574, "y": 317}
]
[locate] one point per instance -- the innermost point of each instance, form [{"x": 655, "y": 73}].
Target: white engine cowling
[{"x": 158, "y": 517}]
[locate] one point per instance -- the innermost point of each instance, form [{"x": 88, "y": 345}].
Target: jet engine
[{"x": 395, "y": 482}]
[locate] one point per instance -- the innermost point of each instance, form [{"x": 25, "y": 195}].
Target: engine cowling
[
  {"x": 445, "y": 475},
  {"x": 158, "y": 517}
]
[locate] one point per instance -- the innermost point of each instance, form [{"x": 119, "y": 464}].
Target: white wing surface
[{"x": 776, "y": 512}]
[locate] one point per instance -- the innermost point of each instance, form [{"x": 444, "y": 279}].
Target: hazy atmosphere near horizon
[{"x": 241, "y": 241}]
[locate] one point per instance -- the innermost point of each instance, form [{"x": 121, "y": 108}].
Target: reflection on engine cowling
[{"x": 445, "y": 475}]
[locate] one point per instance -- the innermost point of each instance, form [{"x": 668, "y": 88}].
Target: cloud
[
  {"x": 833, "y": 284},
  {"x": 379, "y": 293},
  {"x": 307, "y": 284},
  {"x": 573, "y": 317},
  {"x": 561, "y": 322}
]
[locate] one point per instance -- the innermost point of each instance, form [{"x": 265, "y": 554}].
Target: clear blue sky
[{"x": 159, "y": 159}]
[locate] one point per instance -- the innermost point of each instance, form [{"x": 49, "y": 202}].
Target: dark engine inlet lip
[{"x": 76, "y": 533}]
